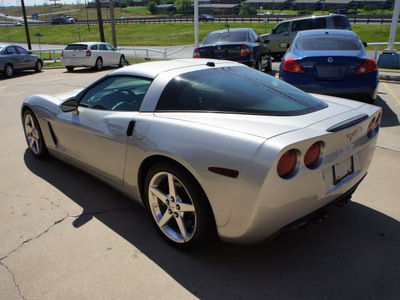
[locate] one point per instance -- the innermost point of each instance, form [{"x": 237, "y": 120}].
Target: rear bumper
[
  {"x": 78, "y": 62},
  {"x": 354, "y": 87}
]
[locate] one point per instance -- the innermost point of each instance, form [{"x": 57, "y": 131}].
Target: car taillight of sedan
[
  {"x": 196, "y": 53},
  {"x": 293, "y": 66},
  {"x": 368, "y": 66},
  {"x": 245, "y": 51}
]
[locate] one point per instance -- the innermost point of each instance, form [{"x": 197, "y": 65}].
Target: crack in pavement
[
  {"x": 13, "y": 278},
  {"x": 48, "y": 229},
  {"x": 389, "y": 149}
]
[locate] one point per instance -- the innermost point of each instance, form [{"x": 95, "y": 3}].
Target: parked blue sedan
[{"x": 330, "y": 62}]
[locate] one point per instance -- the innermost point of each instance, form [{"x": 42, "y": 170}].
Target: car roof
[
  {"x": 313, "y": 17},
  {"x": 233, "y": 30},
  {"x": 87, "y": 43},
  {"x": 315, "y": 32},
  {"x": 153, "y": 69}
]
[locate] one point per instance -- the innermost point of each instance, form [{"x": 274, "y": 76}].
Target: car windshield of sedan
[
  {"x": 225, "y": 37},
  {"x": 328, "y": 42},
  {"x": 235, "y": 90}
]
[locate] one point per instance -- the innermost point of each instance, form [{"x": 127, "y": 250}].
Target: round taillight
[
  {"x": 371, "y": 128},
  {"x": 312, "y": 155},
  {"x": 196, "y": 53},
  {"x": 287, "y": 163}
]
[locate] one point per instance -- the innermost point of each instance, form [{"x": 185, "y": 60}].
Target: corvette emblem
[
  {"x": 330, "y": 60},
  {"x": 353, "y": 133}
]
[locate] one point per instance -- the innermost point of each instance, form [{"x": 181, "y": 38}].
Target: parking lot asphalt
[{"x": 66, "y": 235}]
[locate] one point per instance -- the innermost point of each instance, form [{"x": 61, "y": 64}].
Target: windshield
[
  {"x": 225, "y": 37},
  {"x": 328, "y": 42},
  {"x": 235, "y": 90}
]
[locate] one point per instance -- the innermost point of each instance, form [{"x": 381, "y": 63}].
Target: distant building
[{"x": 104, "y": 4}]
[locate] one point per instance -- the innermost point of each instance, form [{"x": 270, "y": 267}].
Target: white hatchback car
[{"x": 91, "y": 54}]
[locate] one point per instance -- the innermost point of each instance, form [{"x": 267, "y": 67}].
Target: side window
[
  {"x": 284, "y": 27},
  {"x": 94, "y": 47},
  {"x": 102, "y": 47},
  {"x": 109, "y": 48},
  {"x": 11, "y": 50},
  {"x": 117, "y": 93},
  {"x": 300, "y": 25},
  {"x": 341, "y": 22},
  {"x": 318, "y": 23},
  {"x": 254, "y": 36},
  {"x": 22, "y": 50}
]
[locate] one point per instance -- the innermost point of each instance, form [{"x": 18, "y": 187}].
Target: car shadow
[
  {"x": 352, "y": 255},
  {"x": 17, "y": 74},
  {"x": 389, "y": 117},
  {"x": 83, "y": 70}
]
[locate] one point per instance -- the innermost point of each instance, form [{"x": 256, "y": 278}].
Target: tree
[
  {"x": 247, "y": 10},
  {"x": 184, "y": 6},
  {"x": 152, "y": 7}
]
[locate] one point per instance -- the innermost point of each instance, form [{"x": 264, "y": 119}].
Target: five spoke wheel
[{"x": 33, "y": 134}]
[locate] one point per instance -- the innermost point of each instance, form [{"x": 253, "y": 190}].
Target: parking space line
[{"x": 391, "y": 92}]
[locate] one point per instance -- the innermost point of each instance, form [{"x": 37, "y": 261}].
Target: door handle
[{"x": 129, "y": 130}]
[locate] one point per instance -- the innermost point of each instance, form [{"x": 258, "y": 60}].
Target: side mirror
[
  {"x": 69, "y": 105},
  {"x": 29, "y": 52},
  {"x": 284, "y": 45},
  {"x": 365, "y": 44},
  {"x": 273, "y": 31}
]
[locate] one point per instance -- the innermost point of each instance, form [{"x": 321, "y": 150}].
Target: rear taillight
[
  {"x": 291, "y": 65},
  {"x": 287, "y": 164},
  {"x": 371, "y": 128},
  {"x": 368, "y": 66},
  {"x": 312, "y": 155},
  {"x": 196, "y": 53},
  {"x": 245, "y": 51},
  {"x": 88, "y": 53}
]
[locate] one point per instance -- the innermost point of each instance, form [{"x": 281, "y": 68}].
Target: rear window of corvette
[{"x": 235, "y": 90}]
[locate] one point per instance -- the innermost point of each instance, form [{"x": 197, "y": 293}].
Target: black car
[
  {"x": 242, "y": 45},
  {"x": 206, "y": 18},
  {"x": 14, "y": 58}
]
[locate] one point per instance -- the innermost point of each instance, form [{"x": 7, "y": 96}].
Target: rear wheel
[
  {"x": 9, "y": 70},
  {"x": 99, "y": 64},
  {"x": 33, "y": 135},
  {"x": 177, "y": 205},
  {"x": 38, "y": 66},
  {"x": 70, "y": 69}
]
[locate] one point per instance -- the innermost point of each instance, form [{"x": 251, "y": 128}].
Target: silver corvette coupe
[{"x": 209, "y": 146}]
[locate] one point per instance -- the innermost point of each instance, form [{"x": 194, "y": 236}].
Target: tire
[
  {"x": 269, "y": 67},
  {"x": 121, "y": 62},
  {"x": 8, "y": 71},
  {"x": 33, "y": 135},
  {"x": 38, "y": 66},
  {"x": 183, "y": 216},
  {"x": 259, "y": 65},
  {"x": 70, "y": 69},
  {"x": 99, "y": 64}
]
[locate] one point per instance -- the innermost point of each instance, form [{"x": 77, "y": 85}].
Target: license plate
[
  {"x": 330, "y": 72},
  {"x": 342, "y": 170}
]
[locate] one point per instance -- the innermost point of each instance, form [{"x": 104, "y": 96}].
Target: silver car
[
  {"x": 15, "y": 58},
  {"x": 209, "y": 146},
  {"x": 91, "y": 54}
]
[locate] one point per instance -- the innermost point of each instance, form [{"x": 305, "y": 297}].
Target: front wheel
[
  {"x": 99, "y": 64},
  {"x": 121, "y": 62},
  {"x": 38, "y": 66},
  {"x": 33, "y": 135},
  {"x": 178, "y": 207}
]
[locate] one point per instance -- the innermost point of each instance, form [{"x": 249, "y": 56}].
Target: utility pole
[
  {"x": 100, "y": 20},
  {"x": 114, "y": 36},
  {"x": 28, "y": 39},
  {"x": 196, "y": 22}
]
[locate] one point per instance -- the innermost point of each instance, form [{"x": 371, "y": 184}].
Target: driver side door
[{"x": 95, "y": 135}]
